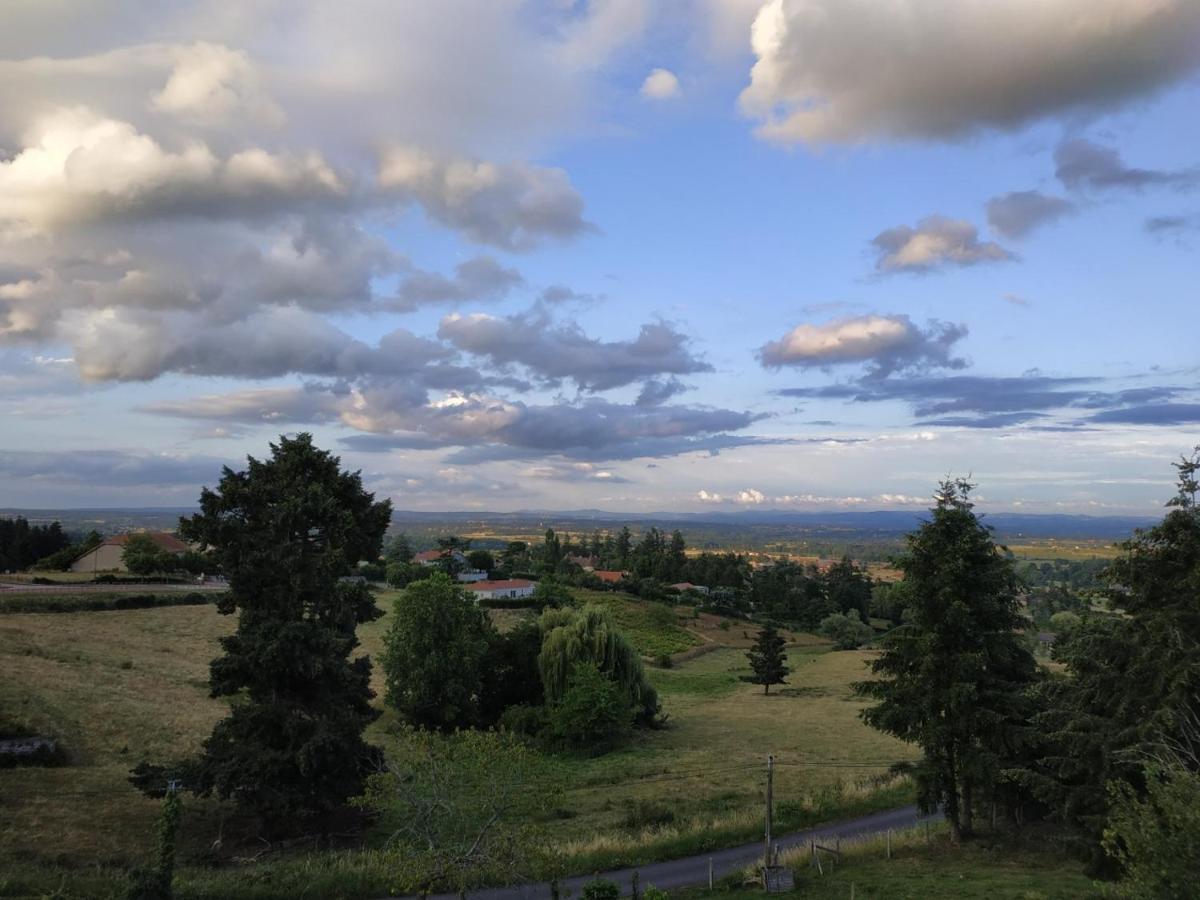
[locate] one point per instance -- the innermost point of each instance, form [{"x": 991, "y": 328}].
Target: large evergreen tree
[
  {"x": 285, "y": 531},
  {"x": 1131, "y": 681},
  {"x": 953, "y": 679},
  {"x": 768, "y": 662}
]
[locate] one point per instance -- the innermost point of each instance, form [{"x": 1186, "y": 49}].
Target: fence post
[
  {"x": 635, "y": 884},
  {"x": 889, "y": 843},
  {"x": 710, "y": 873}
]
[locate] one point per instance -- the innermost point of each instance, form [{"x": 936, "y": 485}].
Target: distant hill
[{"x": 762, "y": 524}]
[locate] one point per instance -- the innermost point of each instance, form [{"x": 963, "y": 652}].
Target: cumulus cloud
[
  {"x": 751, "y": 497},
  {"x": 1086, "y": 165},
  {"x": 660, "y": 84},
  {"x": 213, "y": 82},
  {"x": 856, "y": 70},
  {"x": 514, "y": 206},
  {"x": 556, "y": 352},
  {"x": 886, "y": 343},
  {"x": 1016, "y": 214},
  {"x": 936, "y": 242}
]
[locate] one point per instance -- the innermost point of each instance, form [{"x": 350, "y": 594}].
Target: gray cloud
[
  {"x": 555, "y": 352},
  {"x": 977, "y": 401},
  {"x": 886, "y": 343},
  {"x": 1152, "y": 414},
  {"x": 514, "y": 206},
  {"x": 659, "y": 390},
  {"x": 837, "y": 70},
  {"x": 1016, "y": 214},
  {"x": 1083, "y": 164},
  {"x": 936, "y": 242},
  {"x": 110, "y": 468},
  {"x": 1172, "y": 225},
  {"x": 479, "y": 278}
]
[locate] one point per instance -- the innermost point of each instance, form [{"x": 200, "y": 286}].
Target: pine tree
[
  {"x": 285, "y": 531},
  {"x": 954, "y": 679},
  {"x": 767, "y": 659}
]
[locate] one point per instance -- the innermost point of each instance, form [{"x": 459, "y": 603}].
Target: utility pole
[{"x": 770, "y": 788}]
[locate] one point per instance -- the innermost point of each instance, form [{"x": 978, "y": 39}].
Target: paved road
[{"x": 693, "y": 870}]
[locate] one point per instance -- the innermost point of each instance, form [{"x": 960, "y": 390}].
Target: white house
[
  {"x": 109, "y": 555},
  {"x": 510, "y": 589}
]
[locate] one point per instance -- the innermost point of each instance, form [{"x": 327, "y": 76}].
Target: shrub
[
  {"x": 653, "y": 893},
  {"x": 641, "y": 814},
  {"x": 524, "y": 719},
  {"x": 601, "y": 889},
  {"x": 664, "y": 661},
  {"x": 847, "y": 631}
]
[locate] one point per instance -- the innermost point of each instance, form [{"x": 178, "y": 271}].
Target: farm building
[
  {"x": 108, "y": 556},
  {"x": 684, "y": 586},
  {"x": 510, "y": 589}
]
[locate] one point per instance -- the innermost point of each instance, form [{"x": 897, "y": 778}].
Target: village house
[
  {"x": 587, "y": 563},
  {"x": 509, "y": 589},
  {"x": 684, "y": 586},
  {"x": 109, "y": 555}
]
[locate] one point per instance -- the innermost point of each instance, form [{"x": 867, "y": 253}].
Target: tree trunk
[
  {"x": 951, "y": 808},
  {"x": 767, "y": 688},
  {"x": 967, "y": 812}
]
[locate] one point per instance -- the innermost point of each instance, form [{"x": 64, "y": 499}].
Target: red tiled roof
[
  {"x": 608, "y": 575},
  {"x": 505, "y": 585},
  {"x": 165, "y": 541},
  {"x": 428, "y": 555}
]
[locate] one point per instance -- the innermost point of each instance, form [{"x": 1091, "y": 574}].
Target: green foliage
[
  {"x": 767, "y": 659},
  {"x": 22, "y": 544},
  {"x": 600, "y": 889},
  {"x": 653, "y": 893},
  {"x": 402, "y": 574},
  {"x": 1064, "y": 621},
  {"x": 1132, "y": 678},
  {"x": 1156, "y": 837},
  {"x": 284, "y": 531},
  {"x": 847, "y": 630},
  {"x": 457, "y": 809},
  {"x": 52, "y": 602},
  {"x": 889, "y": 600},
  {"x": 434, "y": 655},
  {"x": 848, "y": 587},
  {"x": 551, "y": 593},
  {"x": 591, "y": 636},
  {"x": 593, "y": 713},
  {"x": 398, "y": 550},
  {"x": 510, "y": 673},
  {"x": 953, "y": 679},
  {"x": 142, "y": 556},
  {"x": 154, "y": 883},
  {"x": 481, "y": 559}
]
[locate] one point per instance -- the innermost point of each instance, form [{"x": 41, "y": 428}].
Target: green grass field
[{"x": 119, "y": 687}]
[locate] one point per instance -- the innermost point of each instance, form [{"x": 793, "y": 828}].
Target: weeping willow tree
[{"x": 590, "y": 635}]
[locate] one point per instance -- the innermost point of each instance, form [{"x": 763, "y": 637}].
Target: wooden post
[
  {"x": 812, "y": 852},
  {"x": 889, "y": 843},
  {"x": 634, "y": 884},
  {"x": 927, "y": 837},
  {"x": 852, "y": 890},
  {"x": 770, "y": 790},
  {"x": 710, "y": 873}
]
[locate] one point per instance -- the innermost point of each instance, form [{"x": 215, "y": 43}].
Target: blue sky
[{"x": 823, "y": 258}]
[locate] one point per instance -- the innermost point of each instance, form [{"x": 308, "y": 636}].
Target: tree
[
  {"x": 847, "y": 630},
  {"x": 459, "y": 805},
  {"x": 285, "y": 530},
  {"x": 551, "y": 593},
  {"x": 481, "y": 559},
  {"x": 848, "y": 587},
  {"x": 591, "y": 636},
  {"x": 593, "y": 712},
  {"x": 1130, "y": 677},
  {"x": 399, "y": 550},
  {"x": 434, "y": 655},
  {"x": 953, "y": 679},
  {"x": 767, "y": 659},
  {"x": 142, "y": 556}
]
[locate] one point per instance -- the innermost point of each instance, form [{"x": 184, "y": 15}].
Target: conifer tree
[
  {"x": 285, "y": 531},
  {"x": 767, "y": 659},
  {"x": 954, "y": 678}
]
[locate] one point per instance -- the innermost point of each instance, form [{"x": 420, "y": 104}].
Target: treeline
[{"x": 22, "y": 544}]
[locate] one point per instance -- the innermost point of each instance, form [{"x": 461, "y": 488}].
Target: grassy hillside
[{"x": 118, "y": 687}]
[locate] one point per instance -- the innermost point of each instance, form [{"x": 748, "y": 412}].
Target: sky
[{"x": 615, "y": 254}]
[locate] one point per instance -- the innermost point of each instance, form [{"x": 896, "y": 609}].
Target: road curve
[{"x": 693, "y": 870}]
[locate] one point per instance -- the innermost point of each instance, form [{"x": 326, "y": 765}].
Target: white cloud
[
  {"x": 937, "y": 241},
  {"x": 660, "y": 84},
  {"x": 709, "y": 497},
  {"x": 888, "y": 343},
  {"x": 210, "y": 82},
  {"x": 856, "y": 70},
  {"x": 751, "y": 497}
]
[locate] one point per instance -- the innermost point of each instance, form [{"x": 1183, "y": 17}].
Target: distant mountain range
[{"x": 877, "y": 523}]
